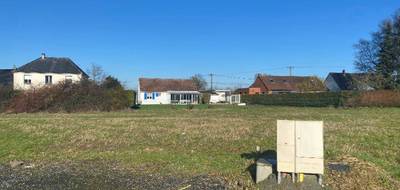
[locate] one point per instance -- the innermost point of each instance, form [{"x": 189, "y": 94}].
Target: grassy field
[{"x": 218, "y": 140}]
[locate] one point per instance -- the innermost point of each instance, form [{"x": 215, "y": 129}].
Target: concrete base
[{"x": 264, "y": 170}]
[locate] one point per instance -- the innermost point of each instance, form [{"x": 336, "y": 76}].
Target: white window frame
[
  {"x": 68, "y": 77},
  {"x": 48, "y": 79},
  {"x": 27, "y": 78}
]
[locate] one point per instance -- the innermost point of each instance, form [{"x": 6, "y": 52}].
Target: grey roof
[
  {"x": 348, "y": 81},
  {"x": 6, "y": 76},
  {"x": 51, "y": 65}
]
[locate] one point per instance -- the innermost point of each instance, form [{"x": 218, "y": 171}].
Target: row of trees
[{"x": 379, "y": 56}]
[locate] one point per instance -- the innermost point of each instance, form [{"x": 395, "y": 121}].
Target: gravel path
[{"x": 93, "y": 177}]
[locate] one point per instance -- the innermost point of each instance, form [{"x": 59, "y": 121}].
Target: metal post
[
  {"x": 320, "y": 179},
  {"x": 279, "y": 178},
  {"x": 294, "y": 177}
]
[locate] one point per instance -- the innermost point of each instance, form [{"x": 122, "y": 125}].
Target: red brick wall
[{"x": 257, "y": 87}]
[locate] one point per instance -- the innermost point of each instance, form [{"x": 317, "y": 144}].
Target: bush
[
  {"x": 205, "y": 98},
  {"x": 72, "y": 97},
  {"x": 384, "y": 98},
  {"x": 6, "y": 93}
]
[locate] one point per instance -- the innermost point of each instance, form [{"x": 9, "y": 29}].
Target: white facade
[
  {"x": 26, "y": 81},
  {"x": 224, "y": 96},
  {"x": 169, "y": 97},
  {"x": 220, "y": 96},
  {"x": 147, "y": 98},
  {"x": 331, "y": 84}
]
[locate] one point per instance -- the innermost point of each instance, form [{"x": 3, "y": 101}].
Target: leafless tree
[
  {"x": 199, "y": 81},
  {"x": 96, "y": 73}
]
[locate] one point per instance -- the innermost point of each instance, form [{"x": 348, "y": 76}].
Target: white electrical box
[{"x": 300, "y": 147}]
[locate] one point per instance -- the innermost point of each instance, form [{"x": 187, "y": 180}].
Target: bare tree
[
  {"x": 199, "y": 81},
  {"x": 379, "y": 57},
  {"x": 96, "y": 73}
]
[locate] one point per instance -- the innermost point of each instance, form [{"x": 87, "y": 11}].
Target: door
[
  {"x": 286, "y": 145},
  {"x": 309, "y": 139},
  {"x": 309, "y": 147}
]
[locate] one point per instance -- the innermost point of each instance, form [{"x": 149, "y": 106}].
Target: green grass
[{"x": 201, "y": 140}]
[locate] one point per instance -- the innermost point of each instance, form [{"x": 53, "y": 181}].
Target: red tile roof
[
  {"x": 282, "y": 83},
  {"x": 162, "y": 85}
]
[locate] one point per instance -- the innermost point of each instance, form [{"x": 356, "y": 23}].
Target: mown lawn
[{"x": 212, "y": 140}]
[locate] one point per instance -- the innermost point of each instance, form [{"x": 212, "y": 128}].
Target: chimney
[
  {"x": 43, "y": 56},
  {"x": 343, "y": 71}
]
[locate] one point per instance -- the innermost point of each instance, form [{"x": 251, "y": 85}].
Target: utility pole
[
  {"x": 211, "y": 79},
  {"x": 290, "y": 70}
]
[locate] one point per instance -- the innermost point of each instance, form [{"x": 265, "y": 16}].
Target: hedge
[
  {"x": 381, "y": 98},
  {"x": 295, "y": 99}
]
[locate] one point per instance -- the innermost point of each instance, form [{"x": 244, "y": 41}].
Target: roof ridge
[
  {"x": 163, "y": 78},
  {"x": 51, "y": 65}
]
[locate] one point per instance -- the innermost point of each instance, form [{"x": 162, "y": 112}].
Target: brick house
[{"x": 268, "y": 84}]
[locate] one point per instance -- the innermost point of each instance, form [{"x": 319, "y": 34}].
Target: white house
[
  {"x": 167, "y": 91},
  {"x": 46, "y": 71}
]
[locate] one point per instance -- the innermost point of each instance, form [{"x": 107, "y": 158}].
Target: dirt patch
[
  {"x": 98, "y": 176},
  {"x": 361, "y": 175}
]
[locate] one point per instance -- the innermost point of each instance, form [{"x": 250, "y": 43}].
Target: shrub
[
  {"x": 205, "y": 98},
  {"x": 72, "y": 97},
  {"x": 384, "y": 98},
  {"x": 6, "y": 93}
]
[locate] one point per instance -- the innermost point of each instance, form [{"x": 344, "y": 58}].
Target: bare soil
[{"x": 97, "y": 176}]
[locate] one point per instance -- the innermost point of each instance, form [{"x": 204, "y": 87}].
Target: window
[
  {"x": 27, "y": 79},
  {"x": 175, "y": 98},
  {"x": 149, "y": 95},
  {"x": 48, "y": 79},
  {"x": 68, "y": 78}
]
